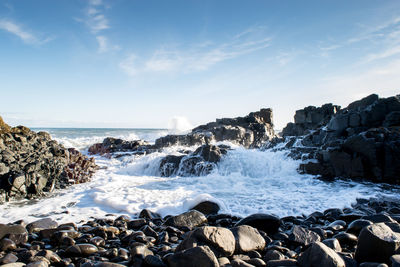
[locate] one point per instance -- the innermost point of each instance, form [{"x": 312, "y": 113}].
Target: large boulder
[
  {"x": 189, "y": 219},
  {"x": 318, "y": 254},
  {"x": 219, "y": 239},
  {"x": 248, "y": 239},
  {"x": 265, "y": 222},
  {"x": 377, "y": 243},
  {"x": 201, "y": 256}
]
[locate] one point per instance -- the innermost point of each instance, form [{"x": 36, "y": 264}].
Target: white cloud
[
  {"x": 23, "y": 34},
  {"x": 95, "y": 20},
  {"x": 202, "y": 57},
  {"x": 389, "y": 52},
  {"x": 104, "y": 44},
  {"x": 128, "y": 65}
]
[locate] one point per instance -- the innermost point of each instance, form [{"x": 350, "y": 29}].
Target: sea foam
[{"x": 246, "y": 181}]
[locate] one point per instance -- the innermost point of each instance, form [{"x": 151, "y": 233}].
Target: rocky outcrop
[
  {"x": 361, "y": 141},
  {"x": 310, "y": 118},
  {"x": 112, "y": 145},
  {"x": 249, "y": 131},
  {"x": 32, "y": 164},
  {"x": 200, "y": 162}
]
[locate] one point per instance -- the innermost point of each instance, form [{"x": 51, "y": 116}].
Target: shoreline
[{"x": 334, "y": 237}]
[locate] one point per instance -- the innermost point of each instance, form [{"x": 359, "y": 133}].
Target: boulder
[
  {"x": 220, "y": 239},
  {"x": 189, "y": 219},
  {"x": 265, "y": 222},
  {"x": 319, "y": 254},
  {"x": 207, "y": 207},
  {"x": 201, "y": 256},
  {"x": 248, "y": 239},
  {"x": 303, "y": 236},
  {"x": 377, "y": 243},
  {"x": 17, "y": 233}
]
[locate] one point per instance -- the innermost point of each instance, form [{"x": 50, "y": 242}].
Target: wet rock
[
  {"x": 333, "y": 243},
  {"x": 395, "y": 260},
  {"x": 81, "y": 250},
  {"x": 154, "y": 261},
  {"x": 377, "y": 243},
  {"x": 9, "y": 258},
  {"x": 188, "y": 219},
  {"x": 240, "y": 263},
  {"x": 356, "y": 226},
  {"x": 247, "y": 239},
  {"x": 319, "y": 254},
  {"x": 7, "y": 244},
  {"x": 346, "y": 239},
  {"x": 265, "y": 222},
  {"x": 207, "y": 207},
  {"x": 302, "y": 236},
  {"x": 201, "y": 256},
  {"x": 280, "y": 263},
  {"x": 273, "y": 255},
  {"x": 45, "y": 223},
  {"x": 17, "y": 233}
]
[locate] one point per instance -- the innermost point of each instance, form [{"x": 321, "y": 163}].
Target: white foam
[
  {"x": 245, "y": 182},
  {"x": 179, "y": 125}
]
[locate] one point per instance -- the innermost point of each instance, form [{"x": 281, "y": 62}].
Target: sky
[{"x": 139, "y": 64}]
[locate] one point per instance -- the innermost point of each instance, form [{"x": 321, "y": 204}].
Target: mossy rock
[{"x": 4, "y": 127}]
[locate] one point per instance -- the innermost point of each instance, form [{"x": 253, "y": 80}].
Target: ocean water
[{"x": 246, "y": 181}]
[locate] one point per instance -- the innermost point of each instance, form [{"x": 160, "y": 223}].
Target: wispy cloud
[
  {"x": 25, "y": 35},
  {"x": 202, "y": 57},
  {"x": 128, "y": 65},
  {"x": 95, "y": 18},
  {"x": 104, "y": 44}
]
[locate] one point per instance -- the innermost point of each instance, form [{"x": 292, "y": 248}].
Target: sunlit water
[{"x": 244, "y": 182}]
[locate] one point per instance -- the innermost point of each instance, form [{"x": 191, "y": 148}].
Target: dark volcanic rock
[
  {"x": 377, "y": 243},
  {"x": 195, "y": 257},
  {"x": 265, "y": 222},
  {"x": 112, "y": 145},
  {"x": 361, "y": 141},
  {"x": 310, "y": 118},
  {"x": 32, "y": 164},
  {"x": 188, "y": 219},
  {"x": 302, "y": 236},
  {"x": 249, "y": 131},
  {"x": 207, "y": 207}
]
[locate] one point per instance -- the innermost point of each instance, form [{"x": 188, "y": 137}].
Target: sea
[{"x": 245, "y": 182}]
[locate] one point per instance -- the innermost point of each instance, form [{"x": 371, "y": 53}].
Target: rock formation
[
  {"x": 361, "y": 141},
  {"x": 32, "y": 164}
]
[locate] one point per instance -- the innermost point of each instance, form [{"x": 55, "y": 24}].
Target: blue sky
[{"x": 99, "y": 63}]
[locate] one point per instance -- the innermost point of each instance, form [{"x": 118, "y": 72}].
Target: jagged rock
[
  {"x": 249, "y": 131},
  {"x": 310, "y": 118},
  {"x": 377, "y": 243},
  {"x": 319, "y": 254},
  {"x": 32, "y": 164},
  {"x": 200, "y": 162},
  {"x": 112, "y": 145}
]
